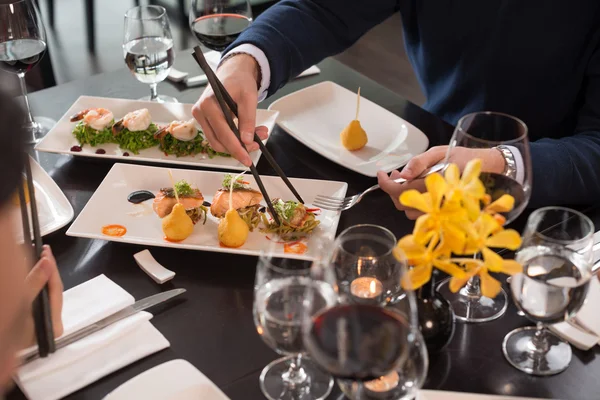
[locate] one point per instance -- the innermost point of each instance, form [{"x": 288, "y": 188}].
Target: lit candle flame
[{"x": 373, "y": 287}]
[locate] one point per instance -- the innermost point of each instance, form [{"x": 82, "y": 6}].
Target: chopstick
[
  {"x": 44, "y": 331},
  {"x": 212, "y": 79},
  {"x": 233, "y": 107}
]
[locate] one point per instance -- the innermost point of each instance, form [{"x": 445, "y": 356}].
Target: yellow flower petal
[
  {"x": 509, "y": 239},
  {"x": 454, "y": 237},
  {"x": 456, "y": 283},
  {"x": 420, "y": 201},
  {"x": 417, "y": 277},
  {"x": 424, "y": 229},
  {"x": 472, "y": 170},
  {"x": 452, "y": 174},
  {"x": 450, "y": 268},
  {"x": 486, "y": 225},
  {"x": 492, "y": 261},
  {"x": 490, "y": 287},
  {"x": 501, "y": 219},
  {"x": 412, "y": 250},
  {"x": 511, "y": 267},
  {"x": 475, "y": 189},
  {"x": 436, "y": 188},
  {"x": 472, "y": 207},
  {"x": 504, "y": 204}
]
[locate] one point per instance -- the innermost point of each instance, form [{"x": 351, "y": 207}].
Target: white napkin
[{"x": 97, "y": 355}]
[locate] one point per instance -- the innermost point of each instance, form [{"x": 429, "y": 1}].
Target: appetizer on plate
[
  {"x": 182, "y": 193},
  {"x": 94, "y": 126},
  {"x": 183, "y": 138},
  {"x": 135, "y": 131},
  {"x": 233, "y": 231},
  {"x": 297, "y": 221},
  {"x": 236, "y": 194},
  {"x": 354, "y": 136}
]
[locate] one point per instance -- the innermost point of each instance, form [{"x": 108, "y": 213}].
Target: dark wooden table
[{"x": 213, "y": 327}]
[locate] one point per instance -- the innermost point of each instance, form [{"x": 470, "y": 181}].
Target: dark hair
[{"x": 12, "y": 146}]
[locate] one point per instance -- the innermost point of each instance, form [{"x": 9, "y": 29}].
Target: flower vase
[{"x": 436, "y": 318}]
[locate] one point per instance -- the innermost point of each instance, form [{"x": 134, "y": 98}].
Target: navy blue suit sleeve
[
  {"x": 567, "y": 170},
  {"x": 295, "y": 34}
]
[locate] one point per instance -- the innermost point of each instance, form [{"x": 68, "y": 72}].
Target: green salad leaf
[
  {"x": 87, "y": 135},
  {"x": 285, "y": 208},
  {"x": 238, "y": 184},
  {"x": 183, "y": 188},
  {"x": 138, "y": 140}
]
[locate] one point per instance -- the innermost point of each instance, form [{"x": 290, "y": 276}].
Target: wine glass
[
  {"x": 148, "y": 48},
  {"x": 556, "y": 255},
  {"x": 365, "y": 340},
  {"x": 504, "y": 133},
  {"x": 217, "y": 23},
  {"x": 22, "y": 46},
  {"x": 278, "y": 307}
]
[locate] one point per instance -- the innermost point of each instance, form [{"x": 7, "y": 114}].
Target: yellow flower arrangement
[{"x": 459, "y": 221}]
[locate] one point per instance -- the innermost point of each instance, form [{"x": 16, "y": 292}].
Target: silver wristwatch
[{"x": 510, "y": 168}]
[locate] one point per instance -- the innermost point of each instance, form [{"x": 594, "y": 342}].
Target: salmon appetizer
[
  {"x": 243, "y": 198},
  {"x": 190, "y": 198}
]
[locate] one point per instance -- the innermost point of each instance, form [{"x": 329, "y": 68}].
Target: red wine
[
  {"x": 20, "y": 55},
  {"x": 497, "y": 185},
  {"x": 357, "y": 341},
  {"x": 217, "y": 31}
]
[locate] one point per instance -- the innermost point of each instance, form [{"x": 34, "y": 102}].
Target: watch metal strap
[{"x": 510, "y": 168}]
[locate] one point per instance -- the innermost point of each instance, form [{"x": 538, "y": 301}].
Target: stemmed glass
[
  {"x": 217, "y": 23},
  {"x": 366, "y": 339},
  {"x": 556, "y": 255},
  {"x": 22, "y": 46},
  {"x": 501, "y": 132},
  {"x": 278, "y": 308},
  {"x": 148, "y": 48}
]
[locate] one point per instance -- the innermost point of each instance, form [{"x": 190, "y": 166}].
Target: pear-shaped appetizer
[
  {"x": 243, "y": 199},
  {"x": 233, "y": 230},
  {"x": 354, "y": 136},
  {"x": 177, "y": 226}
]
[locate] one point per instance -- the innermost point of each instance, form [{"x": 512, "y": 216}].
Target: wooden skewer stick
[
  {"x": 357, "y": 104},
  {"x": 233, "y": 181},
  {"x": 174, "y": 188}
]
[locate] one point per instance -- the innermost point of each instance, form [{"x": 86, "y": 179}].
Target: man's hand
[
  {"x": 239, "y": 75},
  {"x": 492, "y": 161},
  {"x": 46, "y": 271}
]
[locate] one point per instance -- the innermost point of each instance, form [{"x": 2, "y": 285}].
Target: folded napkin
[{"x": 97, "y": 355}]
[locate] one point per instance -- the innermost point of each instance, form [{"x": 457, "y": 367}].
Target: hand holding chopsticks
[
  {"x": 41, "y": 306},
  {"x": 228, "y": 107}
]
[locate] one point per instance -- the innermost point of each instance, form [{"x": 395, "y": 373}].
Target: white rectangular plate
[
  {"x": 444, "y": 395},
  {"x": 316, "y": 116},
  {"x": 54, "y": 210},
  {"x": 60, "y": 139},
  {"x": 173, "y": 380},
  {"x": 109, "y": 205}
]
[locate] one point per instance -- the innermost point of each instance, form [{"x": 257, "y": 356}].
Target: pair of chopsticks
[
  {"x": 42, "y": 318},
  {"x": 228, "y": 106}
]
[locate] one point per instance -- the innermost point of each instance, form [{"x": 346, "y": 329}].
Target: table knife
[{"x": 103, "y": 323}]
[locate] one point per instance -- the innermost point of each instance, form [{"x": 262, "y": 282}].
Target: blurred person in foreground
[
  {"x": 538, "y": 61},
  {"x": 18, "y": 285}
]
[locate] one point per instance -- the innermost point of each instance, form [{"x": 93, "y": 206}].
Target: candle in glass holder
[
  {"x": 384, "y": 383},
  {"x": 366, "y": 287}
]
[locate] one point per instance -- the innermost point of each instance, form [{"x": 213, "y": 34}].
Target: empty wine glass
[
  {"x": 366, "y": 339},
  {"x": 503, "y": 133},
  {"x": 278, "y": 308},
  {"x": 217, "y": 23},
  {"x": 148, "y": 48},
  {"x": 22, "y": 46},
  {"x": 556, "y": 255}
]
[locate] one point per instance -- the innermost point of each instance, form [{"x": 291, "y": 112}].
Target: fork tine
[
  {"x": 327, "y": 207},
  {"x": 333, "y": 203},
  {"x": 320, "y": 196}
]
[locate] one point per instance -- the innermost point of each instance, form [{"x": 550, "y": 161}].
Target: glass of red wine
[
  {"x": 484, "y": 132},
  {"x": 217, "y": 23},
  {"x": 148, "y": 48},
  {"x": 278, "y": 307},
  {"x": 365, "y": 339},
  {"x": 22, "y": 46}
]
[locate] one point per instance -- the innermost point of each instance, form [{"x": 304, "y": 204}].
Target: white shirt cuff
[
  {"x": 263, "y": 64},
  {"x": 518, "y": 163}
]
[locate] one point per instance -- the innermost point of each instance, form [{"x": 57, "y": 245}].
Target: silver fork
[{"x": 342, "y": 204}]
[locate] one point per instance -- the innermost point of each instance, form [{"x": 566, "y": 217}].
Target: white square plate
[
  {"x": 173, "y": 380},
  {"x": 444, "y": 395},
  {"x": 316, "y": 116},
  {"x": 109, "y": 205},
  {"x": 54, "y": 210},
  {"x": 60, "y": 139}
]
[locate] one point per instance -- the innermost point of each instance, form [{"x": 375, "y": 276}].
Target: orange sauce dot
[
  {"x": 295, "y": 248},
  {"x": 114, "y": 230}
]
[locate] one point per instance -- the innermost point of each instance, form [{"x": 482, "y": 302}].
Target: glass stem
[
  {"x": 295, "y": 375},
  {"x": 153, "y": 92},
  {"x": 472, "y": 287},
  {"x": 539, "y": 342},
  {"x": 29, "y": 122}
]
